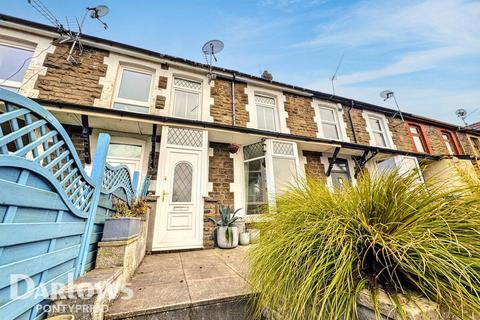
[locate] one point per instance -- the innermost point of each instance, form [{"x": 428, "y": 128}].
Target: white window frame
[
  {"x": 10, "y": 83},
  {"x": 385, "y": 129},
  {"x": 135, "y": 103},
  {"x": 337, "y": 124},
  {"x": 270, "y": 157},
  {"x": 399, "y": 163},
  {"x": 264, "y": 105},
  {"x": 176, "y": 88}
]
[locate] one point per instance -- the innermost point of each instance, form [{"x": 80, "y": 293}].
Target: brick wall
[
  {"x": 465, "y": 143},
  {"x": 221, "y": 110},
  {"x": 74, "y": 83},
  {"x": 359, "y": 124},
  {"x": 301, "y": 115},
  {"x": 434, "y": 139},
  {"x": 75, "y": 133},
  {"x": 220, "y": 174},
  {"x": 400, "y": 136},
  {"x": 314, "y": 168}
]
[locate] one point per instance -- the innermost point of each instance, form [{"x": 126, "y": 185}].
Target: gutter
[{"x": 220, "y": 126}]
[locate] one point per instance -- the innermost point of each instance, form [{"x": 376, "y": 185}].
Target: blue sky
[{"x": 428, "y": 52}]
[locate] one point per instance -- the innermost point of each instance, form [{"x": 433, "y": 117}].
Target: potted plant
[
  {"x": 125, "y": 223},
  {"x": 227, "y": 234}
]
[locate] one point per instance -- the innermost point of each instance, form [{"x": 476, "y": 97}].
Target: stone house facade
[{"x": 237, "y": 141}]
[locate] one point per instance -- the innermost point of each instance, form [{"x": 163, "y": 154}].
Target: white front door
[{"x": 179, "y": 220}]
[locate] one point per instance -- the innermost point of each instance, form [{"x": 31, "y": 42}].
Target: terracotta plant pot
[{"x": 222, "y": 240}]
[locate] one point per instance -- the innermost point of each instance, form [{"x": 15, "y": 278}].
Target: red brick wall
[
  {"x": 74, "y": 83},
  {"x": 221, "y": 110},
  {"x": 301, "y": 115},
  {"x": 400, "y": 135}
]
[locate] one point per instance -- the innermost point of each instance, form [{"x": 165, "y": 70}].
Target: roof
[{"x": 317, "y": 94}]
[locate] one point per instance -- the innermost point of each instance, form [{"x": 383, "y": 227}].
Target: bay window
[
  {"x": 186, "y": 101},
  {"x": 403, "y": 164},
  {"x": 14, "y": 62},
  {"x": 133, "y": 93},
  {"x": 270, "y": 168},
  {"x": 266, "y": 112}
]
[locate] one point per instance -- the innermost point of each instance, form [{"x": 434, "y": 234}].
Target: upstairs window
[
  {"x": 378, "y": 130},
  {"x": 329, "y": 123},
  {"x": 14, "y": 62},
  {"x": 186, "y": 102},
  {"x": 449, "y": 142},
  {"x": 266, "y": 114},
  {"x": 418, "y": 138},
  {"x": 133, "y": 92}
]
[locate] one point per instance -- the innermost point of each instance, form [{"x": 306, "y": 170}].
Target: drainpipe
[
  {"x": 351, "y": 121},
  {"x": 233, "y": 99}
]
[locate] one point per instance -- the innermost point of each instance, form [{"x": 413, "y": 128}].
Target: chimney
[{"x": 267, "y": 75}]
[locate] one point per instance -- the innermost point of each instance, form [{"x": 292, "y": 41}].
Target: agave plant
[
  {"x": 227, "y": 219},
  {"x": 321, "y": 249}
]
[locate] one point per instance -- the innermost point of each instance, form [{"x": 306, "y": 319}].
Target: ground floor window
[
  {"x": 270, "y": 168},
  {"x": 126, "y": 154}
]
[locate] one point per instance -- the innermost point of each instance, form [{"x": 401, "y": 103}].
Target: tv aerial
[
  {"x": 210, "y": 49},
  {"x": 462, "y": 114},
  {"x": 73, "y": 36},
  {"x": 334, "y": 76},
  {"x": 387, "y": 94}
]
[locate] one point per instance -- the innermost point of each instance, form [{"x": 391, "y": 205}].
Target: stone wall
[
  {"x": 301, "y": 115},
  {"x": 75, "y": 133},
  {"x": 221, "y": 110},
  {"x": 359, "y": 124},
  {"x": 68, "y": 82},
  {"x": 465, "y": 144},
  {"x": 314, "y": 168},
  {"x": 400, "y": 136},
  {"x": 220, "y": 174}
]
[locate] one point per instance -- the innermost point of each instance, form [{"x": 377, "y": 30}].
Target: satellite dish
[
  {"x": 98, "y": 11},
  {"x": 462, "y": 113},
  {"x": 212, "y": 47},
  {"x": 386, "y": 94}
]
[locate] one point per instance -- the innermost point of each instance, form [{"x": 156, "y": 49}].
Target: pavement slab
[{"x": 167, "y": 282}]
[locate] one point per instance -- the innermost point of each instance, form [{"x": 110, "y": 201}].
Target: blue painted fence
[{"x": 51, "y": 211}]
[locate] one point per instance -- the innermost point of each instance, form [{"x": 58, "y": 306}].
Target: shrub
[
  {"x": 320, "y": 249},
  {"x": 138, "y": 208}
]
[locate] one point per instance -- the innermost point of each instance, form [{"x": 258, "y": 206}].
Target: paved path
[{"x": 173, "y": 281}]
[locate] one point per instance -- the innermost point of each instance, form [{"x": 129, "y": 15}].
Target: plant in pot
[
  {"x": 227, "y": 233},
  {"x": 125, "y": 223}
]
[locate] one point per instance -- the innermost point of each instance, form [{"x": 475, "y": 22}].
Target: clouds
[{"x": 420, "y": 36}]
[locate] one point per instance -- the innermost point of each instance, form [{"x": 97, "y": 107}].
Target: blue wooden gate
[{"x": 50, "y": 221}]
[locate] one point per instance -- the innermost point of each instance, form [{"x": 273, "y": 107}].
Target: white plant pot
[
  {"x": 222, "y": 240},
  {"x": 254, "y": 234},
  {"x": 245, "y": 238}
]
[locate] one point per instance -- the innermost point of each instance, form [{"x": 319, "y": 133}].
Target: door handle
[{"x": 163, "y": 195}]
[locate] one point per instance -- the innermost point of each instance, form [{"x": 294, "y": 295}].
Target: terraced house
[{"x": 237, "y": 140}]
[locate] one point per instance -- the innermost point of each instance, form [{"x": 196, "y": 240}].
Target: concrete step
[{"x": 235, "y": 308}]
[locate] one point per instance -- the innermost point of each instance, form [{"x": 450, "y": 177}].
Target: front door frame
[{"x": 163, "y": 168}]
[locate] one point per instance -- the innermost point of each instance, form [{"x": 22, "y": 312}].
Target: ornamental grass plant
[{"x": 320, "y": 248}]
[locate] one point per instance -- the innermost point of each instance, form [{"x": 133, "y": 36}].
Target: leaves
[{"x": 319, "y": 249}]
